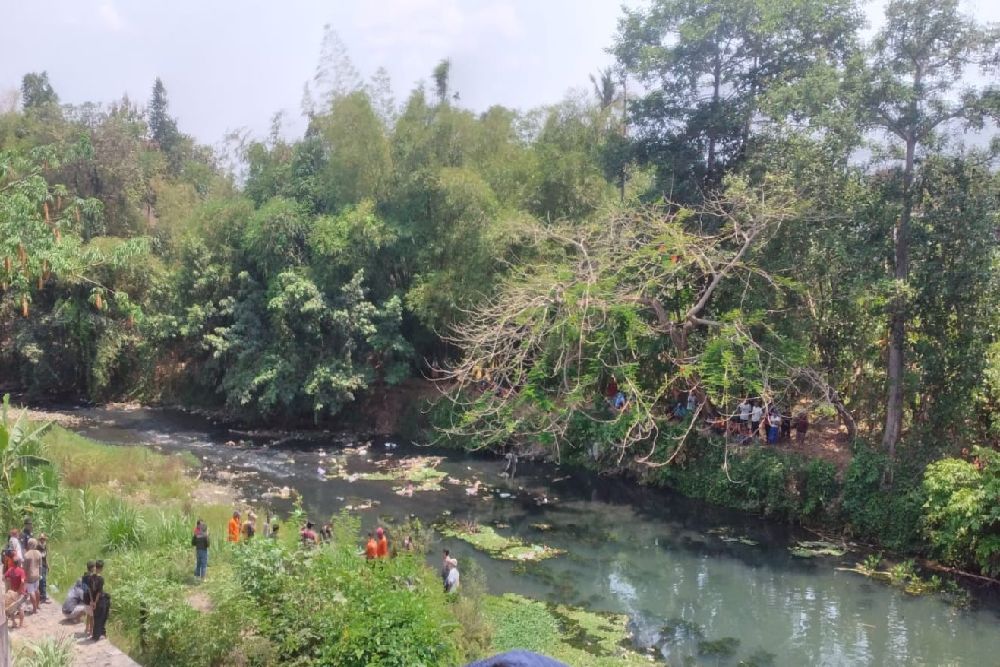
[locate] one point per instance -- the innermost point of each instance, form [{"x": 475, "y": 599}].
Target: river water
[{"x": 661, "y": 559}]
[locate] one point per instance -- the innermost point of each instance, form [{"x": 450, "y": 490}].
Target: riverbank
[{"x": 133, "y": 508}]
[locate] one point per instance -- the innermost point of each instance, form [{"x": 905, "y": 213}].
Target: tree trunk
[{"x": 897, "y": 318}]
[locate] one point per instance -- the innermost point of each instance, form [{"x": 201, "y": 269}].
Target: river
[{"x": 660, "y": 558}]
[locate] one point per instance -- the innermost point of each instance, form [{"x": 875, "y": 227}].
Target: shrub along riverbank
[
  {"x": 943, "y": 508},
  {"x": 273, "y": 602}
]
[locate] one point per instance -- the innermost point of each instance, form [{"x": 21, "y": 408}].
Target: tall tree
[
  {"x": 706, "y": 65},
  {"x": 379, "y": 89},
  {"x": 37, "y": 92},
  {"x": 442, "y": 75},
  {"x": 335, "y": 74},
  {"x": 916, "y": 65},
  {"x": 162, "y": 128}
]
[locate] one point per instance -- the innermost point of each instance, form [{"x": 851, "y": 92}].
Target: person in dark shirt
[
  {"x": 26, "y": 534},
  {"x": 200, "y": 543},
  {"x": 102, "y": 604},
  {"x": 93, "y": 589},
  {"x": 43, "y": 546}
]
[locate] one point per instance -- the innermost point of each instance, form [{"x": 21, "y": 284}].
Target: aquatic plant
[
  {"x": 814, "y": 548},
  {"x": 485, "y": 538},
  {"x": 572, "y": 635},
  {"x": 724, "y": 647}
]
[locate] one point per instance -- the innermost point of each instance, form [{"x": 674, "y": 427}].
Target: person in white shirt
[
  {"x": 773, "y": 427},
  {"x": 744, "y": 412},
  {"x": 756, "y": 415},
  {"x": 14, "y": 544},
  {"x": 451, "y": 581}
]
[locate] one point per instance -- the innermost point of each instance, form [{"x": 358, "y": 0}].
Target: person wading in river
[{"x": 451, "y": 579}]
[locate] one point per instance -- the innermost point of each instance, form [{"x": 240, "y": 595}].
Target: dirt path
[{"x": 48, "y": 623}]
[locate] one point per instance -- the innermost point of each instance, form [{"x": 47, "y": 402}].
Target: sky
[{"x": 231, "y": 64}]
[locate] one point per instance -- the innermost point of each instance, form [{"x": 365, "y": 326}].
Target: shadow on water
[{"x": 702, "y": 585}]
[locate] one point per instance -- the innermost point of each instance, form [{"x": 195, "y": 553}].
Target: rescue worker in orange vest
[
  {"x": 234, "y": 528},
  {"x": 383, "y": 543}
]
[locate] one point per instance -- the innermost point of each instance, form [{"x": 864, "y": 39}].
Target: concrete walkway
[{"x": 48, "y": 623}]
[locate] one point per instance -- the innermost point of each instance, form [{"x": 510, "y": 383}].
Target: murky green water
[{"x": 673, "y": 565}]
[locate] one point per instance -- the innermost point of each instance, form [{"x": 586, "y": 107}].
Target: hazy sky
[{"x": 231, "y": 64}]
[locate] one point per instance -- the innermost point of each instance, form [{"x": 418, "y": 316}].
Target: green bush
[
  {"x": 335, "y": 608},
  {"x": 821, "y": 489},
  {"x": 962, "y": 511},
  {"x": 874, "y": 511}
]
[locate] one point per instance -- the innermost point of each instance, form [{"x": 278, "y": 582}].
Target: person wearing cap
[
  {"x": 382, "y": 546},
  {"x": 33, "y": 573},
  {"x": 43, "y": 547},
  {"x": 233, "y": 534}
]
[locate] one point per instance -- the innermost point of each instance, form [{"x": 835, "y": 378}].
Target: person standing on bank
[
  {"x": 200, "y": 543},
  {"x": 234, "y": 528},
  {"x": 756, "y": 415},
  {"x": 43, "y": 546},
  {"x": 32, "y": 573}
]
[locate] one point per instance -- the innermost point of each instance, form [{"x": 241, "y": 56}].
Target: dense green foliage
[
  {"x": 757, "y": 200},
  {"x": 27, "y": 478}
]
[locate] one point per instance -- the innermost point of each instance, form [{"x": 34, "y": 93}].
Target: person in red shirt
[
  {"x": 382, "y": 547},
  {"x": 371, "y": 549},
  {"x": 15, "y": 591}
]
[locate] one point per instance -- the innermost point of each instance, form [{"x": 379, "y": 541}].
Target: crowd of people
[
  {"x": 25, "y": 568},
  {"x": 753, "y": 418},
  {"x": 376, "y": 547}
]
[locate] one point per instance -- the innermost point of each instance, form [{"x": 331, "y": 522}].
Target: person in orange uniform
[
  {"x": 371, "y": 549},
  {"x": 234, "y": 528},
  {"x": 383, "y": 543}
]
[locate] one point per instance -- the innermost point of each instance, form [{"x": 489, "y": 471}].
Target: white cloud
[{"x": 110, "y": 18}]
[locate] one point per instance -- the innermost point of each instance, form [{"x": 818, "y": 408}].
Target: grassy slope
[{"x": 109, "y": 491}]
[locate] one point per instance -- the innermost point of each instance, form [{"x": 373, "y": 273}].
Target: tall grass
[
  {"x": 47, "y": 653},
  {"x": 83, "y": 463},
  {"x": 124, "y": 528}
]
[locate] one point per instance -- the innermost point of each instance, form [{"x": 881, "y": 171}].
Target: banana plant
[{"x": 28, "y": 480}]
